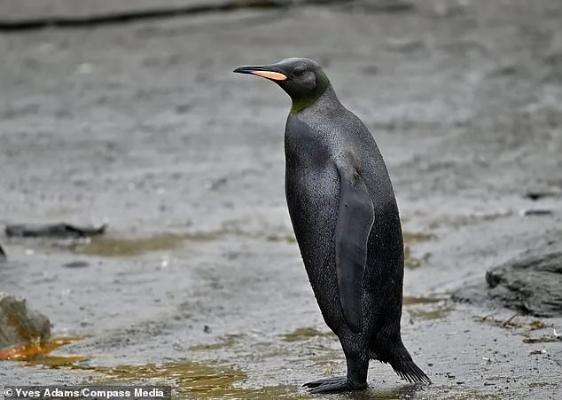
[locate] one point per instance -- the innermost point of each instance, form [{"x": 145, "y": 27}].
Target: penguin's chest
[
  {"x": 312, "y": 189},
  {"x": 310, "y": 177}
]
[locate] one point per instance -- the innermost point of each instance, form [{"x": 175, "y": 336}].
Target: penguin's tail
[
  {"x": 402, "y": 363},
  {"x": 408, "y": 370}
]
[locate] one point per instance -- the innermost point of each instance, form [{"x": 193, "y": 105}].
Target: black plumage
[{"x": 346, "y": 222}]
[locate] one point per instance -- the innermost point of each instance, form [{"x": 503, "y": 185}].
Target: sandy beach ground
[{"x": 198, "y": 281}]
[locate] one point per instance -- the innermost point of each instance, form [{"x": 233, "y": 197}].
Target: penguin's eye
[{"x": 299, "y": 72}]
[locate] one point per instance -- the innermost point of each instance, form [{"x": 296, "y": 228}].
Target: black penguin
[{"x": 346, "y": 222}]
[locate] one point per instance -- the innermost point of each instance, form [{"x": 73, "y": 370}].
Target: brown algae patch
[
  {"x": 240, "y": 228},
  {"x": 410, "y": 261},
  {"x": 194, "y": 380},
  {"x": 427, "y": 308},
  {"x": 189, "y": 379},
  {"x": 413, "y": 300},
  {"x": 303, "y": 334},
  {"x": 113, "y": 246},
  {"x": 411, "y": 238},
  {"x": 459, "y": 221},
  {"x": 417, "y": 237},
  {"x": 127, "y": 247},
  {"x": 38, "y": 353},
  {"x": 430, "y": 311},
  {"x": 226, "y": 342},
  {"x": 522, "y": 323},
  {"x": 289, "y": 238}
]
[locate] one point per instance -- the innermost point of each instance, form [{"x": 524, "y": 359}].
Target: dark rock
[
  {"x": 540, "y": 194},
  {"x": 54, "y": 231},
  {"x": 76, "y": 264},
  {"x": 383, "y": 6},
  {"x": 536, "y": 211},
  {"x": 3, "y": 256},
  {"x": 19, "y": 324},
  {"x": 531, "y": 285}
]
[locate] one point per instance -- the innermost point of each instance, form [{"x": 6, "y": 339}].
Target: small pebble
[
  {"x": 76, "y": 264},
  {"x": 536, "y": 211}
]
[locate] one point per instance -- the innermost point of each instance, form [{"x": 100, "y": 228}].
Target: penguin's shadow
[{"x": 393, "y": 393}]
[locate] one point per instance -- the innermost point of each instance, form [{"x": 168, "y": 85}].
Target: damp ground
[{"x": 198, "y": 281}]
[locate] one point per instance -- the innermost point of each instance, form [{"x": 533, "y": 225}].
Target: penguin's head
[{"x": 302, "y": 78}]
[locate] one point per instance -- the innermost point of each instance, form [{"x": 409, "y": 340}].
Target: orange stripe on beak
[{"x": 276, "y": 76}]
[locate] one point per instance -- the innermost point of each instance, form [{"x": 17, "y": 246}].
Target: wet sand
[{"x": 199, "y": 280}]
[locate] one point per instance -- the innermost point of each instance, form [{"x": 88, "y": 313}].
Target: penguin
[{"x": 346, "y": 222}]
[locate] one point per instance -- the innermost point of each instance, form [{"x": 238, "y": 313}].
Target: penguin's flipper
[{"x": 354, "y": 222}]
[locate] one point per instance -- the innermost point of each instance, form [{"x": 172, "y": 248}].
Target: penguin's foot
[{"x": 334, "y": 385}]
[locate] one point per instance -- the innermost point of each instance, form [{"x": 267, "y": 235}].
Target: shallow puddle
[
  {"x": 197, "y": 380},
  {"x": 127, "y": 247},
  {"x": 187, "y": 378},
  {"x": 112, "y": 246},
  {"x": 205, "y": 382},
  {"x": 304, "y": 334}
]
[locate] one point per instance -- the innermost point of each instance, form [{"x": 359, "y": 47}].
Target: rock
[
  {"x": 2, "y": 254},
  {"x": 532, "y": 285},
  {"x": 76, "y": 264},
  {"x": 19, "y": 324},
  {"x": 383, "y": 6},
  {"x": 54, "y": 231},
  {"x": 535, "y": 212},
  {"x": 541, "y": 194}
]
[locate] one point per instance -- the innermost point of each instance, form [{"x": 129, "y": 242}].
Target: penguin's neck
[{"x": 326, "y": 95}]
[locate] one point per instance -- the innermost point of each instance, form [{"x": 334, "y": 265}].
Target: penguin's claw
[{"x": 333, "y": 385}]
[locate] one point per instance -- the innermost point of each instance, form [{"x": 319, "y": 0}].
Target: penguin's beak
[{"x": 271, "y": 72}]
